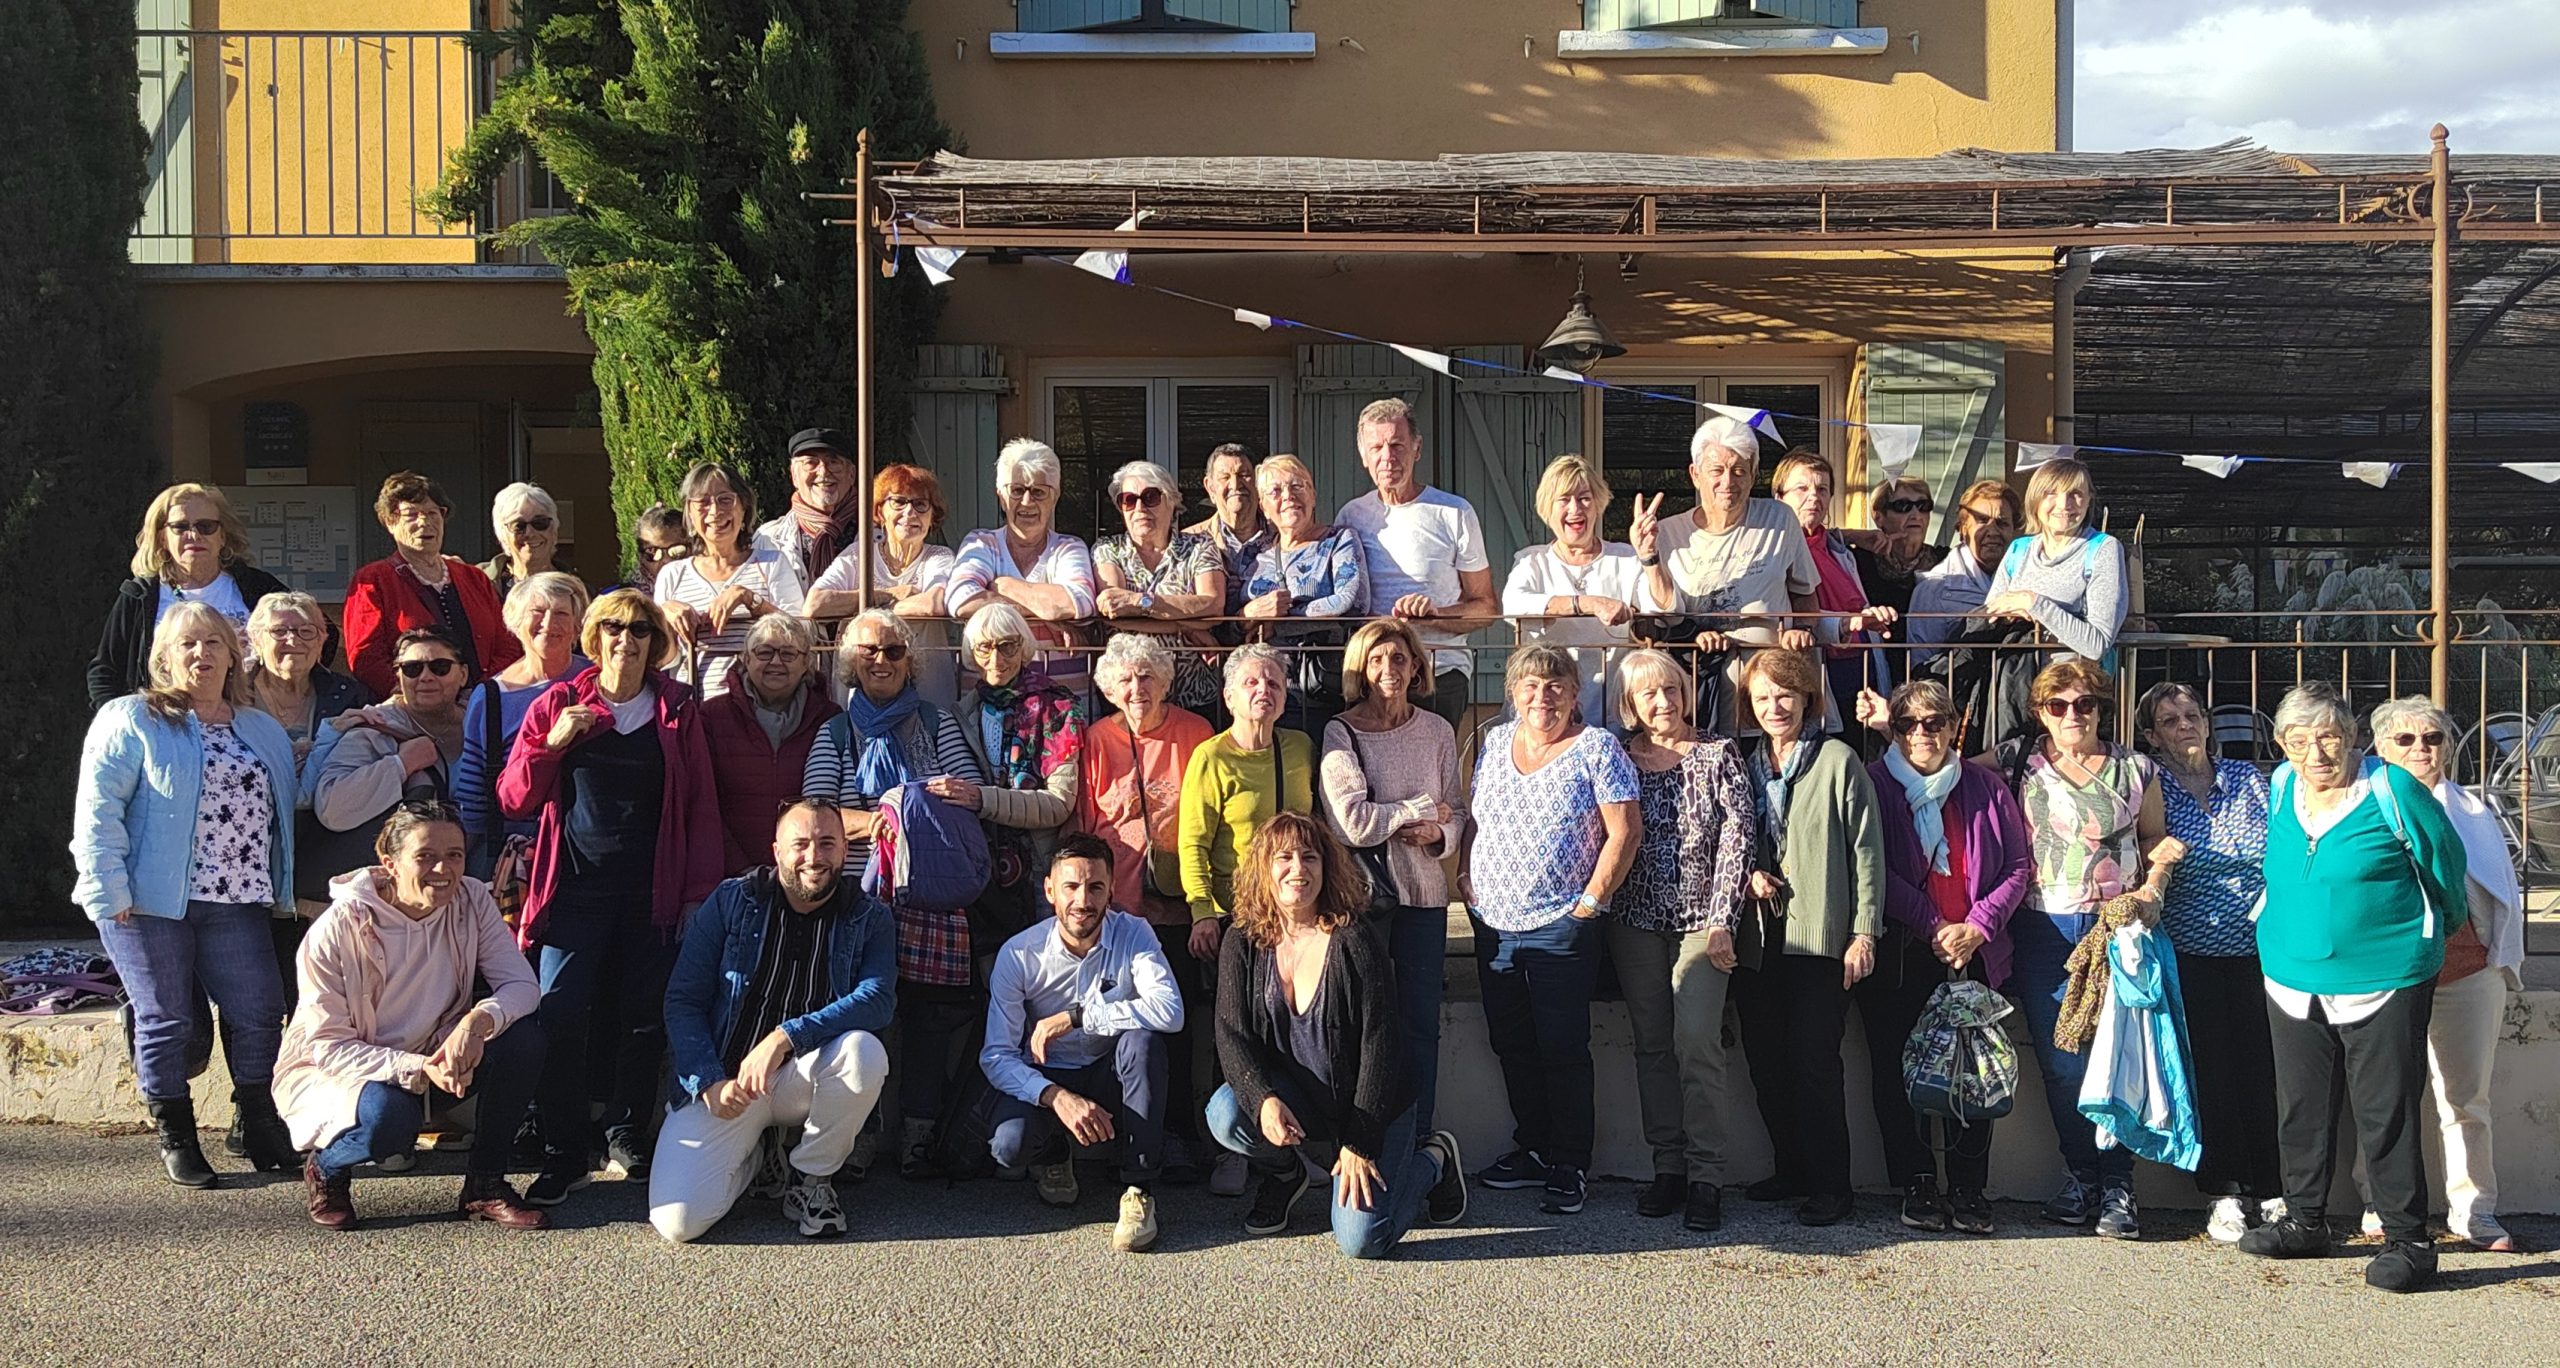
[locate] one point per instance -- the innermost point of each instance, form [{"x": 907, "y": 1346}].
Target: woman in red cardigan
[
  {"x": 614, "y": 767},
  {"x": 761, "y": 732},
  {"x": 418, "y": 585}
]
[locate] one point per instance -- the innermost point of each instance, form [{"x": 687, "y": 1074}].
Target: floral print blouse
[{"x": 235, "y": 825}]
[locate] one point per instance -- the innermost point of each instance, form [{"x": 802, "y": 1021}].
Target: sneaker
[
  {"x": 2371, "y": 1225},
  {"x": 235, "y": 1141},
  {"x": 2229, "y": 1221},
  {"x": 1826, "y": 1208},
  {"x": 1056, "y": 1182},
  {"x": 626, "y": 1155},
  {"x": 2118, "y": 1217},
  {"x": 915, "y": 1149},
  {"x": 866, "y": 1151},
  {"x": 1227, "y": 1175},
  {"x": 2402, "y": 1266},
  {"x": 2286, "y": 1238},
  {"x": 1565, "y": 1192},
  {"x": 1274, "y": 1196},
  {"x": 488, "y": 1197},
  {"x": 1135, "y": 1231},
  {"x": 2075, "y": 1205},
  {"x": 1446, "y": 1203},
  {"x": 1774, "y": 1189},
  {"x": 1705, "y": 1209},
  {"x": 2486, "y": 1234},
  {"x": 557, "y": 1180},
  {"x": 1662, "y": 1196},
  {"x": 402, "y": 1162},
  {"x": 1180, "y": 1168},
  {"x": 1521, "y": 1168},
  {"x": 811, "y": 1200},
  {"x": 1966, "y": 1211},
  {"x": 1923, "y": 1208},
  {"x": 773, "y": 1173}
]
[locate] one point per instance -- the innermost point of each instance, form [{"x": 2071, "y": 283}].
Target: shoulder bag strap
[{"x": 1138, "y": 769}]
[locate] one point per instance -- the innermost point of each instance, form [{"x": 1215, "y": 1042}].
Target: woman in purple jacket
[{"x": 1957, "y": 864}]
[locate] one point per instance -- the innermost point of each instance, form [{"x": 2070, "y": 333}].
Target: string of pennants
[{"x": 1894, "y": 444}]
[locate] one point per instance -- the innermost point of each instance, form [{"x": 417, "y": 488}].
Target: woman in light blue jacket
[{"x": 183, "y": 838}]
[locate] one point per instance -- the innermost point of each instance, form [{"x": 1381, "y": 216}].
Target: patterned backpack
[{"x": 1959, "y": 1062}]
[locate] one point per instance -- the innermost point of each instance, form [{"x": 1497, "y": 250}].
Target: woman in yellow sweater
[{"x": 1236, "y": 781}]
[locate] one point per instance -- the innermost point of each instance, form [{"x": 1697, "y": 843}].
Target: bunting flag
[
  {"x": 2545, "y": 471},
  {"x": 1113, "y": 265},
  {"x": 1256, "y": 320},
  {"x": 2219, "y": 467},
  {"x": 2033, "y": 454},
  {"x": 2375, "y": 473},
  {"x": 1758, "y": 420},
  {"x": 938, "y": 261},
  {"x": 1571, "y": 377},
  {"x": 1895, "y": 444},
  {"x": 1428, "y": 360}
]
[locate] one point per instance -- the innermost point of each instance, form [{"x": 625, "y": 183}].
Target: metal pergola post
[{"x": 2440, "y": 427}]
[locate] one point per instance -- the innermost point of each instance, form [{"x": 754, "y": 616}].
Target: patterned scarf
[
  {"x": 829, "y": 531},
  {"x": 1039, "y": 728},
  {"x": 1777, "y": 787}
]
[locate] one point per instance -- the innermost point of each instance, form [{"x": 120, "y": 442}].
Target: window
[
  {"x": 1646, "y": 14},
  {"x": 1151, "y": 16},
  {"x": 1719, "y": 28},
  {"x": 1101, "y": 415},
  {"x": 1643, "y": 443}
]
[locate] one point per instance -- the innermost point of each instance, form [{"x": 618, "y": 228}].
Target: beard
[{"x": 814, "y": 887}]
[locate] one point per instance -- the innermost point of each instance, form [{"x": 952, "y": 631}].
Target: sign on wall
[{"x": 306, "y": 537}]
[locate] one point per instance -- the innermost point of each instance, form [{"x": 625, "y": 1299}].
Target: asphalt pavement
[{"x": 103, "y": 1261}]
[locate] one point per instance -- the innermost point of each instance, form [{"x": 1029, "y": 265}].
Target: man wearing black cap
[{"x": 819, "y": 526}]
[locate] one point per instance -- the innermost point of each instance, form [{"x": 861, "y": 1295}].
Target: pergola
[{"x": 2235, "y": 196}]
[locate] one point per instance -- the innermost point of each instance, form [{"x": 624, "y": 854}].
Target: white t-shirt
[
  {"x": 223, "y": 593},
  {"x": 937, "y": 657},
  {"x": 765, "y": 571},
  {"x": 1420, "y": 547},
  {"x": 1538, "y": 575},
  {"x": 1753, "y": 570},
  {"x": 635, "y": 712}
]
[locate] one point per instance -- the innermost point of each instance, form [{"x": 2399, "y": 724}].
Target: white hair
[
  {"x": 1732, "y": 434},
  {"x": 1146, "y": 475},
  {"x": 1128, "y": 651},
  {"x": 555, "y": 587},
  {"x": 1249, "y": 657},
  {"x": 995, "y": 622},
  {"x": 790, "y": 631},
  {"x": 1030, "y": 459},
  {"x": 2413, "y": 710},
  {"x": 277, "y": 604},
  {"x": 881, "y": 618},
  {"x": 2315, "y": 705},
  {"x": 517, "y": 497}
]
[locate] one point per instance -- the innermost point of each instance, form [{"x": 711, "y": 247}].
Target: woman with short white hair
[
  {"x": 1156, "y": 578},
  {"x": 544, "y": 611},
  {"x": 1028, "y": 562},
  {"x": 2482, "y": 962},
  {"x": 524, "y": 521},
  {"x": 1579, "y": 591},
  {"x": 1235, "y": 782},
  {"x": 1306, "y": 570}
]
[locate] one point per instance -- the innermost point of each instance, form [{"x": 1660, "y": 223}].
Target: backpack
[
  {"x": 2280, "y": 798},
  {"x": 2015, "y": 559},
  {"x": 1958, "y": 1062},
  {"x": 932, "y": 856}
]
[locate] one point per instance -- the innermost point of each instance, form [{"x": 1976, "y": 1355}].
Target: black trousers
[
  {"x": 2379, "y": 1067},
  {"x": 1794, "y": 1011},
  {"x": 2234, "y": 1070},
  {"x": 1890, "y": 1001},
  {"x": 1185, "y": 1098}
]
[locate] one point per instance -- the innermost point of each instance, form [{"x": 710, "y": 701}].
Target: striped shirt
[
  {"x": 933, "y": 947},
  {"x": 790, "y": 977}
]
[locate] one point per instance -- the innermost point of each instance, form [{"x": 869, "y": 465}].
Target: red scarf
[
  {"x": 829, "y": 533},
  {"x": 1839, "y": 591}
]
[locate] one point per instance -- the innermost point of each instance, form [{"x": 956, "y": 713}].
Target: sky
[{"x": 2330, "y": 76}]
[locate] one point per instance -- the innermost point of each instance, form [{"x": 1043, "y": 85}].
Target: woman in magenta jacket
[{"x": 614, "y": 768}]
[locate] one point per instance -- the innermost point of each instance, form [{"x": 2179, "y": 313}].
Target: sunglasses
[
  {"x": 889, "y": 651},
  {"x": 2432, "y": 740},
  {"x": 1140, "y": 498},
  {"x": 648, "y": 552},
  {"x": 633, "y": 628},
  {"x": 439, "y": 667},
  {"x": 2083, "y": 706},
  {"x": 1910, "y": 506},
  {"x": 202, "y": 527},
  {"x": 772, "y": 655},
  {"x": 533, "y": 524},
  {"x": 1935, "y": 724}
]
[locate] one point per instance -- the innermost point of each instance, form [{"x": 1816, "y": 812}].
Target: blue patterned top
[
  {"x": 2214, "y": 889},
  {"x": 1327, "y": 577},
  {"x": 1538, "y": 836}
]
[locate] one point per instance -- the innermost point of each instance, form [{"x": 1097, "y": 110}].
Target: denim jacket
[
  {"x": 133, "y": 825},
  {"x": 717, "y": 961}
]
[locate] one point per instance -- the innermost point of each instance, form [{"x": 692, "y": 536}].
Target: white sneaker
[
  {"x": 2272, "y": 1210},
  {"x": 2230, "y": 1221},
  {"x": 866, "y": 1152},
  {"x": 1136, "y": 1229},
  {"x": 773, "y": 1166},
  {"x": 1227, "y": 1175},
  {"x": 1056, "y": 1182},
  {"x": 811, "y": 1200},
  {"x": 2372, "y": 1223}
]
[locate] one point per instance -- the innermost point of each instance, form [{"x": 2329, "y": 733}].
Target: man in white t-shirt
[
  {"x": 1426, "y": 554},
  {"x": 1737, "y": 560}
]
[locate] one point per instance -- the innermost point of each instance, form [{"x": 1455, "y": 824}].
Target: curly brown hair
[{"x": 1346, "y": 887}]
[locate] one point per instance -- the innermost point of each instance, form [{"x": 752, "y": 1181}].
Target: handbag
[
  {"x": 511, "y": 873},
  {"x": 1146, "y": 820},
  {"x": 1383, "y": 898}
]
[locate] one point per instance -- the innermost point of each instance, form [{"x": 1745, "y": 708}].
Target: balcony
[{"x": 280, "y": 148}]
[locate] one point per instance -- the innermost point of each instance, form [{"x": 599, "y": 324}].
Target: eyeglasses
[
  {"x": 533, "y": 524},
  {"x": 774, "y": 655},
  {"x": 1910, "y": 506},
  {"x": 2432, "y": 740},
  {"x": 904, "y": 504},
  {"x": 1935, "y": 724},
  {"x": 634, "y": 628},
  {"x": 1132, "y": 499},
  {"x": 1030, "y": 493},
  {"x": 2082, "y": 706},
  {"x": 1007, "y": 646},
  {"x": 293, "y": 633},
  {"x": 439, "y": 667},
  {"x": 890, "y": 651},
  {"x": 709, "y": 502},
  {"x": 202, "y": 527}
]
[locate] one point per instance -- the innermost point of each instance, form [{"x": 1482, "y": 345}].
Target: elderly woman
[
  {"x": 1819, "y": 870},
  {"x": 418, "y": 585},
  {"x": 1027, "y": 736},
  {"x": 1672, "y": 931},
  {"x": 760, "y": 735},
  {"x": 1957, "y": 866},
  {"x": 1804, "y": 483},
  {"x": 2065, "y": 575},
  {"x": 2483, "y": 959},
  {"x": 183, "y": 844},
  {"x": 415, "y": 988},
  {"x": 526, "y": 520},
  {"x": 1155, "y": 579},
  {"x": 369, "y": 761},
  {"x": 543, "y": 610},
  {"x": 192, "y": 548},
  {"x": 2094, "y": 821},
  {"x": 1580, "y": 591},
  {"x": 658, "y": 539},
  {"x": 612, "y": 765},
  {"x": 1740, "y": 563},
  {"x": 714, "y": 595},
  {"x": 1236, "y": 781},
  {"x": 1553, "y": 830},
  {"x": 908, "y": 576},
  {"x": 2365, "y": 881},
  {"x": 1313, "y": 1045},
  {"x": 889, "y": 734},
  {"x": 2217, "y": 810},
  {"x": 1028, "y": 563},
  {"x": 1953, "y": 589},
  {"x": 1892, "y": 557},
  {"x": 1391, "y": 792},
  {"x": 288, "y": 631},
  {"x": 1306, "y": 570}
]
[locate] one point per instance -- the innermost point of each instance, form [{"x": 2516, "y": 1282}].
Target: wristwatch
[
  {"x": 1147, "y": 602},
  {"x": 1587, "y": 902},
  {"x": 1075, "y": 1015}
]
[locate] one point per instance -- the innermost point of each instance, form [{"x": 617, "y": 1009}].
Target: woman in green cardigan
[
  {"x": 1820, "y": 871},
  {"x": 2364, "y": 882}
]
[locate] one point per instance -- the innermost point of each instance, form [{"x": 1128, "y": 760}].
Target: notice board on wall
[{"x": 306, "y": 536}]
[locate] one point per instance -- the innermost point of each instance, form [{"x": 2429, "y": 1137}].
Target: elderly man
[
  {"x": 1426, "y": 552},
  {"x": 1236, "y": 525},
  {"x": 1738, "y": 561},
  {"x": 780, "y": 993},
  {"x": 824, "y": 511}
]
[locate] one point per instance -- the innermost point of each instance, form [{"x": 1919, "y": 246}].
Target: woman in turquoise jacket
[
  {"x": 182, "y": 835},
  {"x": 2364, "y": 882}
]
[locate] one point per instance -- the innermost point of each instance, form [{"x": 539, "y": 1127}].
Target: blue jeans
[
  {"x": 1418, "y": 944},
  {"x": 1537, "y": 989},
  {"x": 388, "y": 1116},
  {"x": 1405, "y": 1174},
  {"x": 2036, "y": 979},
  {"x": 632, "y": 968},
  {"x": 223, "y": 949},
  {"x": 1129, "y": 1082}
]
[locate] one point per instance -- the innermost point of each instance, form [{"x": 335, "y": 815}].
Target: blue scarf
[
  {"x": 1927, "y": 794},
  {"x": 1777, "y": 784},
  {"x": 884, "y": 763}
]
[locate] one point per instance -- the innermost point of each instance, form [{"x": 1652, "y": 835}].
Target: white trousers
[
  {"x": 703, "y": 1164},
  {"x": 2462, "y": 1045}
]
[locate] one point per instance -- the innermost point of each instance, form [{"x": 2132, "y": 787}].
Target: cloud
[{"x": 2341, "y": 76}]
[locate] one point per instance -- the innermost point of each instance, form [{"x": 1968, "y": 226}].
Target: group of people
[{"x": 616, "y": 860}]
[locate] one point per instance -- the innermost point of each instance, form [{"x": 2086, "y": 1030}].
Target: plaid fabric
[{"x": 933, "y": 947}]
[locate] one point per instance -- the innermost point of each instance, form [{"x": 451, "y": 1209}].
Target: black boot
[
  {"x": 268, "y": 1145},
  {"x": 180, "y": 1147}
]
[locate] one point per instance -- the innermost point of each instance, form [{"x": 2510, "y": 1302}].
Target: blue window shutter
[
  {"x": 1955, "y": 391},
  {"x": 1067, "y": 16},
  {"x": 1620, "y": 15},
  {"x": 1503, "y": 429},
  {"x": 953, "y": 431},
  {"x": 1824, "y": 13},
  {"x": 1253, "y": 16}
]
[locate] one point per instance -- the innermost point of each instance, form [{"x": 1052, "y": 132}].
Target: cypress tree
[{"x": 687, "y": 132}]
